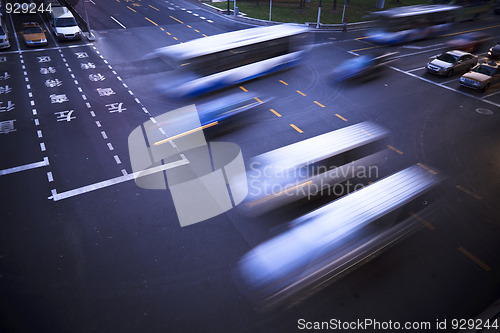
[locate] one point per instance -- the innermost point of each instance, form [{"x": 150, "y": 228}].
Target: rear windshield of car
[
  {"x": 65, "y": 22},
  {"x": 484, "y": 70},
  {"x": 33, "y": 30},
  {"x": 446, "y": 57}
]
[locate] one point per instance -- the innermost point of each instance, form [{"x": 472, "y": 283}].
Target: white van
[{"x": 64, "y": 24}]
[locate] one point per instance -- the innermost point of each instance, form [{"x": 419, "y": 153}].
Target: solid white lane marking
[
  {"x": 124, "y": 27},
  {"x": 85, "y": 189},
  {"x": 415, "y": 69},
  {"x": 445, "y": 87},
  {"x": 30, "y": 166}
]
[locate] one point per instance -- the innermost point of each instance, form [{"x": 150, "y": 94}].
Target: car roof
[
  {"x": 30, "y": 24},
  {"x": 492, "y": 64},
  {"x": 457, "y": 52}
]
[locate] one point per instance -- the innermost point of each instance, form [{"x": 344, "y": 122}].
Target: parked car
[
  {"x": 33, "y": 34},
  {"x": 494, "y": 51},
  {"x": 64, "y": 24},
  {"x": 451, "y": 62},
  {"x": 469, "y": 42},
  {"x": 482, "y": 76}
]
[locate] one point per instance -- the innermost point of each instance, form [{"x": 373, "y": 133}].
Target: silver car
[{"x": 451, "y": 62}]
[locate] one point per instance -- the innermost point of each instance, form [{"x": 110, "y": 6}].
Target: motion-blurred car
[
  {"x": 33, "y": 34},
  {"x": 469, "y": 42},
  {"x": 451, "y": 62},
  {"x": 362, "y": 67},
  {"x": 494, "y": 51},
  {"x": 482, "y": 76}
]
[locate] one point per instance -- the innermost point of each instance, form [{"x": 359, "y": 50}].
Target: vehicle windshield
[
  {"x": 32, "y": 30},
  {"x": 446, "y": 57},
  {"x": 65, "y": 22},
  {"x": 484, "y": 70}
]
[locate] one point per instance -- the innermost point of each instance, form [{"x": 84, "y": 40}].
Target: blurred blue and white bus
[
  {"x": 411, "y": 23},
  {"x": 310, "y": 167},
  {"x": 327, "y": 242},
  {"x": 211, "y": 63},
  {"x": 468, "y": 9}
]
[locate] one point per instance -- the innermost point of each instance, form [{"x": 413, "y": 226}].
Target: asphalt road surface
[{"x": 84, "y": 249}]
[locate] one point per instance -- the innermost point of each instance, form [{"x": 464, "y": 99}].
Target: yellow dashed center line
[
  {"x": 184, "y": 64},
  {"x": 174, "y": 38},
  {"x": 367, "y": 48},
  {"x": 462, "y": 32},
  {"x": 196, "y": 30},
  {"x": 296, "y": 128},
  {"x": 284, "y": 82},
  {"x": 340, "y": 117},
  {"x": 168, "y": 33},
  {"x": 173, "y": 18},
  {"x": 257, "y": 99},
  {"x": 151, "y": 21},
  {"x": 300, "y": 92},
  {"x": 154, "y": 8},
  {"x": 276, "y": 113},
  {"x": 204, "y": 35},
  {"x": 131, "y": 9},
  {"x": 186, "y": 133},
  {"x": 396, "y": 150},
  {"x": 318, "y": 103},
  {"x": 475, "y": 196},
  {"x": 187, "y": 25},
  {"x": 421, "y": 220},
  {"x": 365, "y": 131},
  {"x": 241, "y": 87},
  {"x": 474, "y": 258},
  {"x": 427, "y": 168}
]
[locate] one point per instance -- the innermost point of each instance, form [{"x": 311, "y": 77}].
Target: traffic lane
[
  {"x": 113, "y": 106},
  {"x": 76, "y": 146},
  {"x": 19, "y": 140},
  {"x": 18, "y": 20},
  {"x": 112, "y": 15},
  {"x": 42, "y": 19},
  {"x": 32, "y": 249},
  {"x": 421, "y": 269},
  {"x": 124, "y": 47},
  {"x": 122, "y": 254}
]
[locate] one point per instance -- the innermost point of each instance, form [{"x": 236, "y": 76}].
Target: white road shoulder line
[
  {"x": 124, "y": 27},
  {"x": 30, "y": 166},
  {"x": 85, "y": 189},
  {"x": 445, "y": 87}
]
